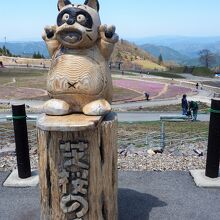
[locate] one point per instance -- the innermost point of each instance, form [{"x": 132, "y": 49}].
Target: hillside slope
[
  {"x": 25, "y": 62},
  {"x": 133, "y": 56},
  {"x": 167, "y": 53}
]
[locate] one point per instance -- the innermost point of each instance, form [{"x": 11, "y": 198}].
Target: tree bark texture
[{"x": 78, "y": 171}]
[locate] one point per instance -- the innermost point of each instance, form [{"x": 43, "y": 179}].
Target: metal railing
[
  {"x": 176, "y": 140},
  {"x": 174, "y": 118}
]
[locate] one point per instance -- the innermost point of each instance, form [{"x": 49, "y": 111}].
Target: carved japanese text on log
[
  {"x": 74, "y": 178},
  {"x": 79, "y": 79},
  {"x": 78, "y": 167}
]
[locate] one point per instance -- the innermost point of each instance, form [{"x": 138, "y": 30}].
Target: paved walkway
[
  {"x": 152, "y": 116},
  {"x": 134, "y": 116},
  {"x": 141, "y": 196}
]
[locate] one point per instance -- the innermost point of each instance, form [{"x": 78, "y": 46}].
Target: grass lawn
[
  {"x": 196, "y": 71},
  {"x": 167, "y": 75},
  {"x": 24, "y": 77},
  {"x": 162, "y": 74},
  {"x": 203, "y": 108},
  {"x": 135, "y": 133},
  {"x": 212, "y": 83},
  {"x": 124, "y": 94},
  {"x": 203, "y": 71},
  {"x": 38, "y": 81},
  {"x": 21, "y": 72},
  {"x": 5, "y": 107},
  {"x": 130, "y": 129},
  {"x": 178, "y": 127},
  {"x": 147, "y": 64},
  {"x": 126, "y": 73}
]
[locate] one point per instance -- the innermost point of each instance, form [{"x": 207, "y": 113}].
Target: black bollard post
[
  {"x": 213, "y": 154},
  {"x": 21, "y": 141}
]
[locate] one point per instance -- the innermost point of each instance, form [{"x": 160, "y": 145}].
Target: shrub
[{"x": 203, "y": 71}]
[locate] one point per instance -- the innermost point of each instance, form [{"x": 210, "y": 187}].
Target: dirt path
[
  {"x": 9, "y": 83},
  {"x": 202, "y": 96},
  {"x": 163, "y": 91}
]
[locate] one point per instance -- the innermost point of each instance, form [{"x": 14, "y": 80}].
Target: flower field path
[{"x": 154, "y": 89}]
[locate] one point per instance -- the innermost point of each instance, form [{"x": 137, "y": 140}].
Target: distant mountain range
[
  {"x": 179, "y": 49},
  {"x": 182, "y": 50},
  {"x": 167, "y": 53},
  {"x": 26, "y": 48},
  {"x": 188, "y": 46}
]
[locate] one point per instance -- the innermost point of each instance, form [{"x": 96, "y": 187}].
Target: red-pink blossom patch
[
  {"x": 152, "y": 88},
  {"x": 174, "y": 91}
]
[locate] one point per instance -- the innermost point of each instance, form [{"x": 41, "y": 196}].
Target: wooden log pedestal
[{"x": 78, "y": 167}]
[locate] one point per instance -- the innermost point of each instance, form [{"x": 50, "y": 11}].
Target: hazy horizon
[{"x": 129, "y": 39}]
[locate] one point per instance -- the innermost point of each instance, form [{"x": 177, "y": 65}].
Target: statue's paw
[
  {"x": 98, "y": 107},
  {"x": 49, "y": 33},
  {"x": 108, "y": 34},
  {"x": 56, "y": 107}
]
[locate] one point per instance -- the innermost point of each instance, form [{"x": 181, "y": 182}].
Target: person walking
[
  {"x": 184, "y": 105},
  {"x": 194, "y": 107},
  {"x": 146, "y": 96}
]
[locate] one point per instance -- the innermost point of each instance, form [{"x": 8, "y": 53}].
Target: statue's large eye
[
  {"x": 65, "y": 17},
  {"x": 81, "y": 19}
]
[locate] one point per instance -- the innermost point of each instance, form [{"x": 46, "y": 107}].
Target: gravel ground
[
  {"x": 132, "y": 162},
  {"x": 133, "y": 153},
  {"x": 176, "y": 157},
  {"x": 160, "y": 162},
  {"x": 8, "y": 160}
]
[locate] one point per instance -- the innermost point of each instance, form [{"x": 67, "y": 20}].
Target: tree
[
  {"x": 206, "y": 57},
  {"x": 38, "y": 55},
  {"x": 5, "y": 52},
  {"x": 119, "y": 56},
  {"x": 160, "y": 59}
]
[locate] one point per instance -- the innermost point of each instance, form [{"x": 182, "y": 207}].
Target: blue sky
[{"x": 25, "y": 19}]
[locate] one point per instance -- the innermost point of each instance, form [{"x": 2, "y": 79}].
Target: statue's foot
[
  {"x": 56, "y": 107},
  {"x": 98, "y": 107}
]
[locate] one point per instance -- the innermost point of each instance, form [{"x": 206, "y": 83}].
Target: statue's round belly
[{"x": 76, "y": 75}]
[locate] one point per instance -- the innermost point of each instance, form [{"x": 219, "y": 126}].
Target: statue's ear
[
  {"x": 93, "y": 4},
  {"x": 62, "y": 3}
]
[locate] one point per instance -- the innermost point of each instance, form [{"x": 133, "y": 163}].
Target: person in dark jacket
[
  {"x": 184, "y": 105},
  {"x": 146, "y": 96},
  {"x": 194, "y": 107}
]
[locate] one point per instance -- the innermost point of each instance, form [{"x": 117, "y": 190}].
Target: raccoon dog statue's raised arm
[{"x": 79, "y": 79}]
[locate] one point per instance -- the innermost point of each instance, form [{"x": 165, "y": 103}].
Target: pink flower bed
[
  {"x": 174, "y": 91},
  {"x": 140, "y": 86}
]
